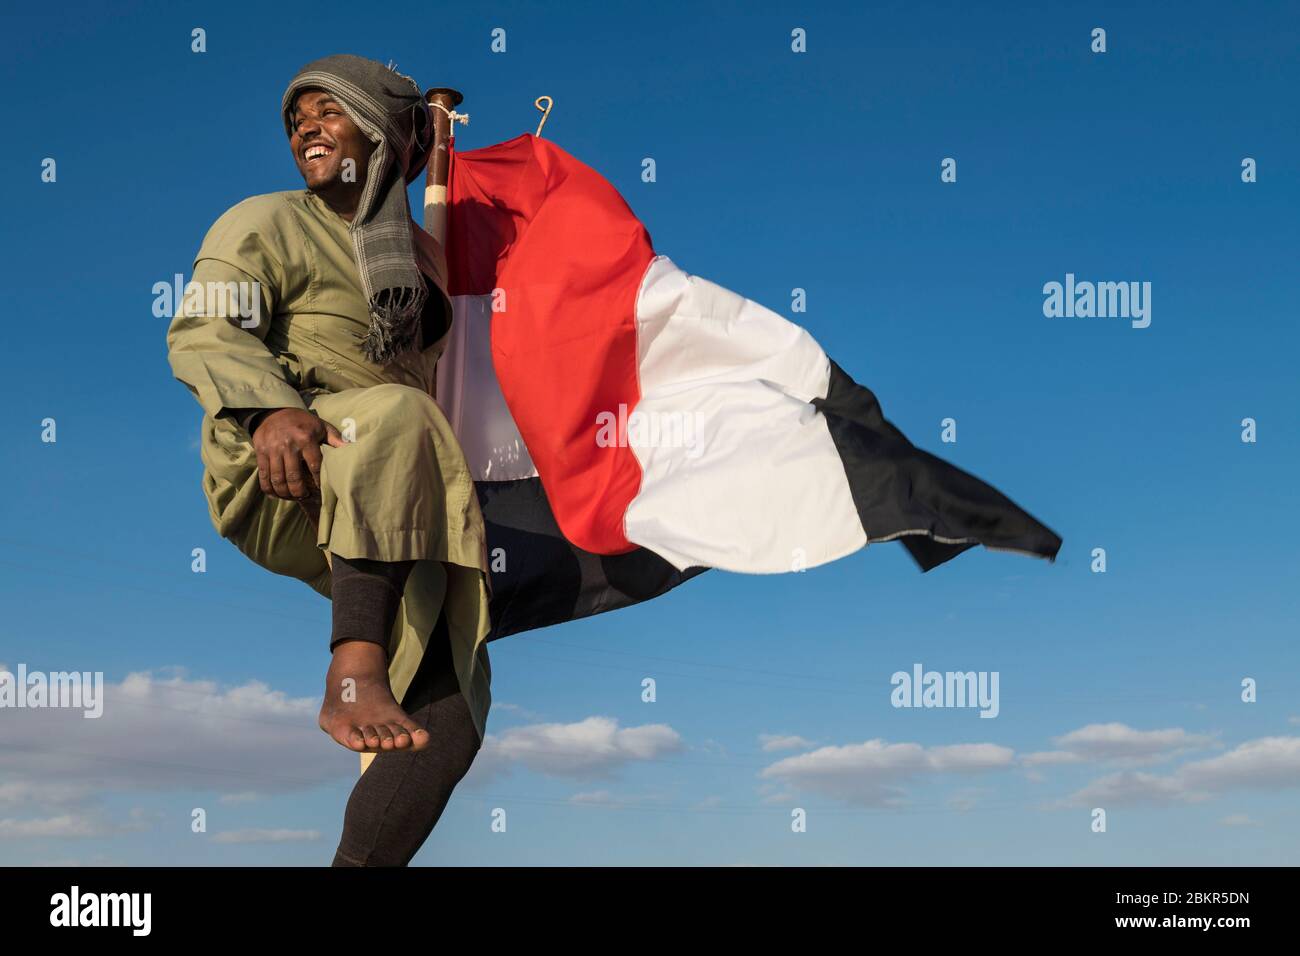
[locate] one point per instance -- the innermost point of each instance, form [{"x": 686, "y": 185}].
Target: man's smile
[{"x": 316, "y": 151}]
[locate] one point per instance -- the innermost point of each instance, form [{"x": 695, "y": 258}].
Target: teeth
[{"x": 316, "y": 151}]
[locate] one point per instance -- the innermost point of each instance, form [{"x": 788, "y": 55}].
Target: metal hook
[{"x": 546, "y": 111}]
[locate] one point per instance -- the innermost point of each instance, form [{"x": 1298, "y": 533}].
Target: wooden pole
[{"x": 442, "y": 102}]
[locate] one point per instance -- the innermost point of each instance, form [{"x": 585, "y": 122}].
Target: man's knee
[{"x": 392, "y": 410}]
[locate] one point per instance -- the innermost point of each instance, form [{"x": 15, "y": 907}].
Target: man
[{"x": 310, "y": 334}]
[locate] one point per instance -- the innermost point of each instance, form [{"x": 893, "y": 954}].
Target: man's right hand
[{"x": 287, "y": 442}]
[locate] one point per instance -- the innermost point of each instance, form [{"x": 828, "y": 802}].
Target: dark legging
[{"x": 400, "y": 797}]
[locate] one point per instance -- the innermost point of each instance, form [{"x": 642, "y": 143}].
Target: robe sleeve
[{"x": 216, "y": 341}]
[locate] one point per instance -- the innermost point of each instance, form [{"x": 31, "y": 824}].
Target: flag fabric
[{"x": 629, "y": 425}]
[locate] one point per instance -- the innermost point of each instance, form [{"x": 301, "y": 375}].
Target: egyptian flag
[{"x": 629, "y": 425}]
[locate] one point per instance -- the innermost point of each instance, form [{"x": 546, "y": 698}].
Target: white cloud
[
  {"x": 1049, "y": 758},
  {"x": 607, "y": 798},
  {"x": 42, "y": 792},
  {"x": 1120, "y": 742},
  {"x": 1238, "y": 820},
  {"x": 156, "y": 735},
  {"x": 591, "y": 748},
  {"x": 1130, "y": 788},
  {"x": 777, "y": 793},
  {"x": 244, "y": 796},
  {"x": 58, "y": 862},
  {"x": 77, "y": 822},
  {"x": 969, "y": 757},
  {"x": 142, "y": 818},
  {"x": 1269, "y": 763},
  {"x": 67, "y": 825},
  {"x": 596, "y": 797},
  {"x": 168, "y": 734},
  {"x": 870, "y": 773},
  {"x": 771, "y": 742},
  {"x": 267, "y": 836},
  {"x": 503, "y": 707}
]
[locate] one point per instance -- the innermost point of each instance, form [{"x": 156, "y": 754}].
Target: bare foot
[{"x": 360, "y": 711}]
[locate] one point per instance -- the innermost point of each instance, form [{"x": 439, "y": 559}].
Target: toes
[
  {"x": 385, "y": 736},
  {"x": 355, "y": 739},
  {"x": 371, "y": 736}
]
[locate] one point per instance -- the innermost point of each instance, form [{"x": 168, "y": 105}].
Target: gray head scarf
[{"x": 390, "y": 109}]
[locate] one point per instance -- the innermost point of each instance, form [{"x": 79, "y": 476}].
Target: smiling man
[{"x": 325, "y": 455}]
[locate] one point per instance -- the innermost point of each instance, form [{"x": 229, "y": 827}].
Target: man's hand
[{"x": 288, "y": 443}]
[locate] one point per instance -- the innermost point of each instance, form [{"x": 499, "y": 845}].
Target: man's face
[{"x": 322, "y": 137}]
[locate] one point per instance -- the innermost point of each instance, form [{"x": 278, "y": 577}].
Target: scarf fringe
[{"x": 394, "y": 323}]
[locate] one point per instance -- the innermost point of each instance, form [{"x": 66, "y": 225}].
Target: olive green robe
[{"x": 399, "y": 490}]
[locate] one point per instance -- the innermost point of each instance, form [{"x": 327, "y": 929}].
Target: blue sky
[{"x": 776, "y": 170}]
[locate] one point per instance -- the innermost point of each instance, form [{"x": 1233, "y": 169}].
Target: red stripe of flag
[{"x": 567, "y": 253}]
